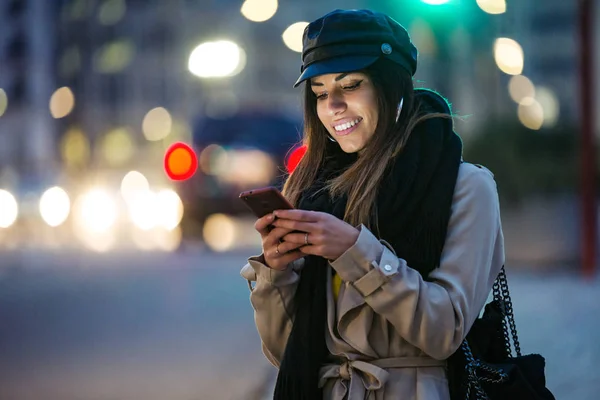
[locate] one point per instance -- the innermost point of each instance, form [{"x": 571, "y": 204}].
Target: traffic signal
[
  {"x": 180, "y": 162},
  {"x": 435, "y": 2}
]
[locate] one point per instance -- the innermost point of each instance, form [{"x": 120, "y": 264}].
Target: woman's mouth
[{"x": 347, "y": 127}]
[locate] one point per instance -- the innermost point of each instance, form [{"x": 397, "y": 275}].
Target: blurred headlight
[
  {"x": 9, "y": 210},
  {"x": 142, "y": 210},
  {"x": 55, "y": 206},
  {"x": 169, "y": 209},
  {"x": 97, "y": 211}
]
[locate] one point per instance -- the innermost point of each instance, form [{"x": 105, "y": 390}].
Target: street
[{"x": 180, "y": 327}]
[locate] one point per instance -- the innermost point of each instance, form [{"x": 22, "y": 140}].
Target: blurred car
[{"x": 245, "y": 151}]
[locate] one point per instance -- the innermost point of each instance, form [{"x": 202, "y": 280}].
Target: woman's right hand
[{"x": 277, "y": 254}]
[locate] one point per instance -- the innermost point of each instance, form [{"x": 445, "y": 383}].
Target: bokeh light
[
  {"x": 75, "y": 148},
  {"x": 117, "y": 146},
  {"x": 180, "y": 162},
  {"x": 435, "y": 2},
  {"x": 132, "y": 184},
  {"x": 531, "y": 114},
  {"x": 292, "y": 36},
  {"x": 114, "y": 57},
  {"x": 217, "y": 59},
  {"x": 96, "y": 211},
  {"x": 157, "y": 124},
  {"x": 169, "y": 209},
  {"x": 259, "y": 10},
  {"x": 142, "y": 210},
  {"x": 509, "y": 56},
  {"x": 213, "y": 159},
  {"x": 520, "y": 87},
  {"x": 62, "y": 102},
  {"x": 219, "y": 232},
  {"x": 55, "y": 206},
  {"x": 111, "y": 11},
  {"x": 492, "y": 6},
  {"x": 9, "y": 209},
  {"x": 295, "y": 157},
  {"x": 3, "y": 102},
  {"x": 549, "y": 102},
  {"x": 70, "y": 62}
]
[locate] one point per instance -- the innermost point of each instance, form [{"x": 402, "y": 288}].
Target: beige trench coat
[{"x": 390, "y": 331}]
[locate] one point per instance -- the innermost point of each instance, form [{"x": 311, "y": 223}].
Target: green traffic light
[{"x": 435, "y": 2}]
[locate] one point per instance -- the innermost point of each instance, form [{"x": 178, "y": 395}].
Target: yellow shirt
[{"x": 336, "y": 284}]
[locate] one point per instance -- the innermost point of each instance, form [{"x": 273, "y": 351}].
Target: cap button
[{"x": 386, "y": 48}]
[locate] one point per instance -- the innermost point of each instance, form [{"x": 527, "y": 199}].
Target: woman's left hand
[{"x": 321, "y": 234}]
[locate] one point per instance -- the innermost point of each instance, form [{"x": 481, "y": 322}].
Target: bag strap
[
  {"x": 473, "y": 366},
  {"x": 502, "y": 295}
]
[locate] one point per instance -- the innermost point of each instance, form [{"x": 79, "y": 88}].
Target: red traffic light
[{"x": 180, "y": 162}]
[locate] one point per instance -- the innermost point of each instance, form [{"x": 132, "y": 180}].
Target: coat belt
[{"x": 366, "y": 376}]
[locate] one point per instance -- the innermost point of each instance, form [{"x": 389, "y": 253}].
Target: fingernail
[
  {"x": 271, "y": 217},
  {"x": 275, "y": 213}
]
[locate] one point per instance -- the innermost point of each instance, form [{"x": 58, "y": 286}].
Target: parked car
[{"x": 245, "y": 151}]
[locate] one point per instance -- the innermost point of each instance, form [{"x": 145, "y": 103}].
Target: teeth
[{"x": 347, "y": 125}]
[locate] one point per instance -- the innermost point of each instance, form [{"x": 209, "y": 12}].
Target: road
[{"x": 124, "y": 326}]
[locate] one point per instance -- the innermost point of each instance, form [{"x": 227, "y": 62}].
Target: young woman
[{"x": 373, "y": 281}]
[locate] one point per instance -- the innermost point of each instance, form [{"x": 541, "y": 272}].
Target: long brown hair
[{"x": 363, "y": 178}]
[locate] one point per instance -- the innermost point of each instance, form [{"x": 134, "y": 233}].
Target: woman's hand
[
  {"x": 277, "y": 254},
  {"x": 320, "y": 233}
]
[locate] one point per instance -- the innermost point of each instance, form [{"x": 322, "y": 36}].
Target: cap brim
[{"x": 335, "y": 65}]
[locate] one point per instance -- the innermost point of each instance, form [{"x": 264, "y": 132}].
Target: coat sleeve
[
  {"x": 435, "y": 315},
  {"x": 272, "y": 298}
]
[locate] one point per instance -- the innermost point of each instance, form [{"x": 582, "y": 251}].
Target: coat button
[{"x": 387, "y": 267}]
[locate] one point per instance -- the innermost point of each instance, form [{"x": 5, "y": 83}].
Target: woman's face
[{"x": 347, "y": 107}]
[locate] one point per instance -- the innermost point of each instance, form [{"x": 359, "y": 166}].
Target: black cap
[{"x": 350, "y": 40}]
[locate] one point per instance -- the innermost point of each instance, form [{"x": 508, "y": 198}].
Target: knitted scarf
[{"x": 413, "y": 206}]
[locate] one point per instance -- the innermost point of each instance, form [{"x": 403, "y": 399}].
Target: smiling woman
[{"x": 371, "y": 283}]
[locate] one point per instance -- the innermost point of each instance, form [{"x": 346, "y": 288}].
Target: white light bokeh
[
  {"x": 531, "y": 114},
  {"x": 217, "y": 59},
  {"x": 62, "y": 102},
  {"x": 96, "y": 211},
  {"x": 133, "y": 183},
  {"x": 520, "y": 87},
  {"x": 169, "y": 209},
  {"x": 509, "y": 56},
  {"x": 9, "y": 209},
  {"x": 219, "y": 232},
  {"x": 157, "y": 124},
  {"x": 549, "y": 102},
  {"x": 292, "y": 36},
  {"x": 3, "y": 102},
  {"x": 259, "y": 10},
  {"x": 492, "y": 6},
  {"x": 55, "y": 206},
  {"x": 142, "y": 210}
]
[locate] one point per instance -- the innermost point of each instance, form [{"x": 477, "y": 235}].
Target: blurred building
[{"x": 27, "y": 131}]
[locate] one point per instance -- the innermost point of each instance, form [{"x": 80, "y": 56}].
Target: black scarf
[{"x": 413, "y": 205}]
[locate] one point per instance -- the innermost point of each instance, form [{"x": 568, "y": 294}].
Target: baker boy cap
[{"x": 351, "y": 40}]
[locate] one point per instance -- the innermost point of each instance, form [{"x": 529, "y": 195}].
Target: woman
[{"x": 367, "y": 287}]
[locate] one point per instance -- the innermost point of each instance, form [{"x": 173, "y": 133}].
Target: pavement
[{"x": 120, "y": 326}]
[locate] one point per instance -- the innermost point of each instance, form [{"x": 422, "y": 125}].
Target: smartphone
[{"x": 265, "y": 200}]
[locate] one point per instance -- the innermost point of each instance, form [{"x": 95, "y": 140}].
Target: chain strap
[{"x": 493, "y": 374}]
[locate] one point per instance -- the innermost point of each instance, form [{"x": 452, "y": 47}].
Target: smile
[{"x": 347, "y": 127}]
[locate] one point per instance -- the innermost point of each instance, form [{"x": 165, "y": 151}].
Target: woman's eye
[
  {"x": 352, "y": 86},
  {"x": 321, "y": 96}
]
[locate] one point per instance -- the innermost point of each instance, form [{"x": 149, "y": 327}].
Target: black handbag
[{"x": 484, "y": 368}]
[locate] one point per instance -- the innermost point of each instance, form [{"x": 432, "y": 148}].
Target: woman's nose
[{"x": 336, "y": 104}]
